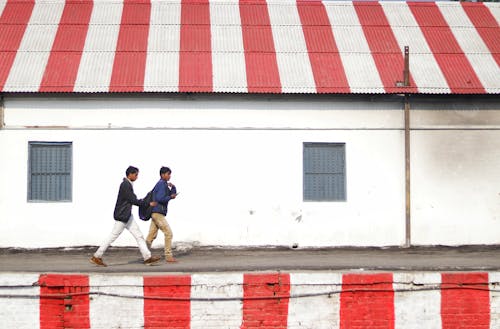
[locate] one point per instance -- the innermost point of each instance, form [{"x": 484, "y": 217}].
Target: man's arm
[
  {"x": 160, "y": 194},
  {"x": 173, "y": 191},
  {"x": 129, "y": 195}
]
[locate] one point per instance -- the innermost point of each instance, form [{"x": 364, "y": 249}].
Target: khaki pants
[{"x": 158, "y": 221}]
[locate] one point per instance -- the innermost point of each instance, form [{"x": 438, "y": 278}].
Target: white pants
[{"x": 118, "y": 228}]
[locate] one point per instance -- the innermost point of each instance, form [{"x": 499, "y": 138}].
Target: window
[
  {"x": 324, "y": 172},
  {"x": 50, "y": 171}
]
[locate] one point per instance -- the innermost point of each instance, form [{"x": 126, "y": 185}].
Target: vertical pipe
[
  {"x": 406, "y": 72},
  {"x": 406, "y": 79},
  {"x": 407, "y": 172}
]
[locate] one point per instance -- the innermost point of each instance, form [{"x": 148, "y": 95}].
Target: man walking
[
  {"x": 163, "y": 192},
  {"x": 125, "y": 220}
]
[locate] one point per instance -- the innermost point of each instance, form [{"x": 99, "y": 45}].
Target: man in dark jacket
[
  {"x": 125, "y": 220},
  {"x": 163, "y": 192}
]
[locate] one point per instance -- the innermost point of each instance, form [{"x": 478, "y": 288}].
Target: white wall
[
  {"x": 203, "y": 112},
  {"x": 237, "y": 161},
  {"x": 455, "y": 173}
]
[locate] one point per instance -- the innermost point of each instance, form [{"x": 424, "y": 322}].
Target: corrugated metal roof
[{"x": 248, "y": 46}]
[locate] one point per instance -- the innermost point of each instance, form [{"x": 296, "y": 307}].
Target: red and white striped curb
[{"x": 252, "y": 300}]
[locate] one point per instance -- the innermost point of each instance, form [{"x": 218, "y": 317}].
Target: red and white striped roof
[{"x": 248, "y": 46}]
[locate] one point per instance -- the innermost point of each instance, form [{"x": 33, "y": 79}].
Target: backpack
[{"x": 146, "y": 210}]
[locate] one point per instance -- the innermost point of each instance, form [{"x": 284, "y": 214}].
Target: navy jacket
[
  {"x": 161, "y": 194},
  {"x": 126, "y": 198}
]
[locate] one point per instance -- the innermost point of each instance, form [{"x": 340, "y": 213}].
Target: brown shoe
[
  {"x": 171, "y": 259},
  {"x": 97, "y": 261},
  {"x": 152, "y": 260}
]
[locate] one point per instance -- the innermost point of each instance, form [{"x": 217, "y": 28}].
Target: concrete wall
[
  {"x": 455, "y": 182},
  {"x": 237, "y": 162},
  {"x": 316, "y": 300}
]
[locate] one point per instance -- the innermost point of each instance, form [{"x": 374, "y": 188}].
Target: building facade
[{"x": 283, "y": 122}]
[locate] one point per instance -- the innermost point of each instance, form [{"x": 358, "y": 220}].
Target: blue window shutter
[
  {"x": 324, "y": 172},
  {"x": 50, "y": 171}
]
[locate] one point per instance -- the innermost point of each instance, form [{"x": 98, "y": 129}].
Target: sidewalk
[{"x": 213, "y": 259}]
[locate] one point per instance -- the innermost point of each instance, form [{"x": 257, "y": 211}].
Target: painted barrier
[{"x": 408, "y": 300}]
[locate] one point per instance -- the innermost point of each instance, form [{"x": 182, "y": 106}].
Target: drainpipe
[
  {"x": 407, "y": 171},
  {"x": 406, "y": 74}
]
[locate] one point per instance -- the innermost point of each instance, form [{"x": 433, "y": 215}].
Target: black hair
[
  {"x": 164, "y": 170},
  {"x": 131, "y": 170}
]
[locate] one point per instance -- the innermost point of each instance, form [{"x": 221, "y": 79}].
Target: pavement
[{"x": 218, "y": 259}]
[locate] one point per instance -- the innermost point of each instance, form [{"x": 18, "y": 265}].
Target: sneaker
[
  {"x": 97, "y": 261},
  {"x": 170, "y": 259},
  {"x": 152, "y": 260}
]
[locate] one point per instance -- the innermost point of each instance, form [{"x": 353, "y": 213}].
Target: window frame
[
  {"x": 69, "y": 196},
  {"x": 344, "y": 172}
]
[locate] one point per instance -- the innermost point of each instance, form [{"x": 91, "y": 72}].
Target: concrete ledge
[{"x": 218, "y": 259}]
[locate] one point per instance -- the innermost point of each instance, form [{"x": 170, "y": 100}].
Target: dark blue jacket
[{"x": 161, "y": 194}]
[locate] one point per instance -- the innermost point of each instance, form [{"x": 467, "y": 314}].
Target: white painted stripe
[
  {"x": 494, "y": 278},
  {"x": 116, "y": 312},
  {"x": 162, "y": 62},
  {"x": 359, "y": 64},
  {"x": 96, "y": 65},
  {"x": 291, "y": 50},
  {"x": 19, "y": 313},
  {"x": 417, "y": 309},
  {"x": 2, "y": 6},
  {"x": 494, "y": 9},
  {"x": 217, "y": 314},
  {"x": 472, "y": 45},
  {"x": 423, "y": 65},
  {"x": 317, "y": 312},
  {"x": 29, "y": 65},
  {"x": 228, "y": 56}
]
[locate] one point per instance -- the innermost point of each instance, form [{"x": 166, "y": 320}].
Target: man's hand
[
  {"x": 173, "y": 195},
  {"x": 153, "y": 204}
]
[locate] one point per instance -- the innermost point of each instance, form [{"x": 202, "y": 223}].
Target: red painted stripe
[
  {"x": 64, "y": 301},
  {"x": 465, "y": 301},
  {"x": 328, "y": 71},
  {"x": 272, "y": 310},
  {"x": 62, "y": 67},
  {"x": 130, "y": 57},
  {"x": 451, "y": 59},
  {"x": 195, "y": 61},
  {"x": 159, "y": 311},
  {"x": 384, "y": 47},
  {"x": 486, "y": 25},
  {"x": 367, "y": 301},
  {"x": 13, "y": 23},
  {"x": 260, "y": 54}
]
